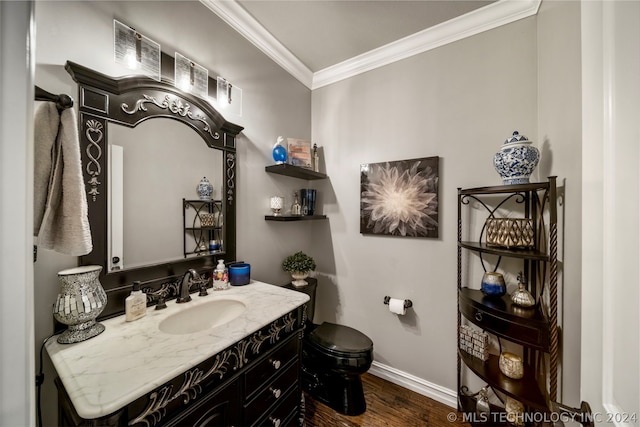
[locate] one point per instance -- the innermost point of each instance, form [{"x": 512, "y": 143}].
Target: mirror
[
  {"x": 162, "y": 163},
  {"x": 169, "y": 140}
]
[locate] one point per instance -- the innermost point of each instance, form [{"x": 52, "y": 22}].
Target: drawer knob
[
  {"x": 275, "y": 363},
  {"x": 275, "y": 391},
  {"x": 478, "y": 316},
  {"x": 275, "y": 421}
]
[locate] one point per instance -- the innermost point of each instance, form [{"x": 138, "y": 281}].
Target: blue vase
[
  {"x": 516, "y": 160},
  {"x": 493, "y": 284},
  {"x": 279, "y": 153}
]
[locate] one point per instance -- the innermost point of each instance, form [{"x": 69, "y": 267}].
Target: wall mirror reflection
[
  {"x": 159, "y": 162},
  {"x": 145, "y": 147}
]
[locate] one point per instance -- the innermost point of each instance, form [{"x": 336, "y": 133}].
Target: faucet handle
[
  {"x": 160, "y": 297},
  {"x": 203, "y": 288}
]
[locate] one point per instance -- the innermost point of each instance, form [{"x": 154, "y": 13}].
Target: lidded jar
[
  {"x": 205, "y": 189},
  {"x": 516, "y": 160}
]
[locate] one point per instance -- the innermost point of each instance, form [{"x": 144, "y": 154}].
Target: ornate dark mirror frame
[{"x": 129, "y": 101}]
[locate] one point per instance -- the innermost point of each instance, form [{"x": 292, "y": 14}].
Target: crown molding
[
  {"x": 486, "y": 18},
  {"x": 241, "y": 21}
]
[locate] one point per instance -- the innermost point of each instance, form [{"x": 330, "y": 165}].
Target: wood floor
[{"x": 388, "y": 405}]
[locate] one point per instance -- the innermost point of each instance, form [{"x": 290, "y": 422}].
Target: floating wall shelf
[
  {"x": 295, "y": 172},
  {"x": 293, "y": 217}
]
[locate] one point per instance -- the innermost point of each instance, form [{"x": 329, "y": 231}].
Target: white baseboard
[{"x": 413, "y": 383}]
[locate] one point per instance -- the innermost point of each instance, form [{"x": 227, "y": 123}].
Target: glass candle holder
[
  {"x": 276, "y": 203},
  {"x": 80, "y": 301}
]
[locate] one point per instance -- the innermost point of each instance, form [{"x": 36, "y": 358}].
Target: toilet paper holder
[{"x": 407, "y": 302}]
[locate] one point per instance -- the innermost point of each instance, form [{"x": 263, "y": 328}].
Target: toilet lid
[{"x": 340, "y": 339}]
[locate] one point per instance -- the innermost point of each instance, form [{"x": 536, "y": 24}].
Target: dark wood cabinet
[
  {"x": 219, "y": 408},
  {"x": 254, "y": 382},
  {"x": 533, "y": 331}
]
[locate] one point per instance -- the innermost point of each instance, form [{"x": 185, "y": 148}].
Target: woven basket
[{"x": 510, "y": 232}]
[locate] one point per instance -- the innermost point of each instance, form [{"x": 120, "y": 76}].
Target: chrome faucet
[{"x": 183, "y": 290}]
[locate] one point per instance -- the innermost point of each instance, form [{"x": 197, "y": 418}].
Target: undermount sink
[{"x": 203, "y": 316}]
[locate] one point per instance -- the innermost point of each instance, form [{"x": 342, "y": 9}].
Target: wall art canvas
[{"x": 400, "y": 198}]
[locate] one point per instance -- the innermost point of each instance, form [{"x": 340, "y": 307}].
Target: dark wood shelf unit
[
  {"x": 203, "y": 202},
  {"x": 295, "y": 172},
  {"x": 202, "y": 228},
  {"x": 500, "y": 316},
  {"x": 501, "y": 189},
  {"x": 534, "y": 329},
  {"x": 497, "y": 417},
  {"x": 293, "y": 217},
  {"x": 512, "y": 253},
  {"x": 525, "y": 390}
]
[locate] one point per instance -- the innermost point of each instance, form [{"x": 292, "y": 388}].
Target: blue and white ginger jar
[
  {"x": 205, "y": 189},
  {"x": 516, "y": 160}
]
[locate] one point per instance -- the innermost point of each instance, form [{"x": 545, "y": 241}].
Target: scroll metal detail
[
  {"x": 175, "y": 106},
  {"x": 95, "y": 135},
  {"x": 232, "y": 359},
  {"x": 231, "y": 177}
]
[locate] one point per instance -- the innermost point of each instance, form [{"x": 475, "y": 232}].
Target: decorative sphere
[{"x": 279, "y": 154}]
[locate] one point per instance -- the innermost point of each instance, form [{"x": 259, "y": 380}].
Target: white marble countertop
[{"x": 129, "y": 359}]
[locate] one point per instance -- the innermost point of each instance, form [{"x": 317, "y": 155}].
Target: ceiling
[
  {"x": 321, "y": 33},
  {"x": 323, "y": 41}
]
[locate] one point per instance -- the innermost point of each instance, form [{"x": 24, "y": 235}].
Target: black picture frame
[{"x": 400, "y": 198}]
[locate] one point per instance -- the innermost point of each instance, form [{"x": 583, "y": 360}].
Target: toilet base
[{"x": 341, "y": 392}]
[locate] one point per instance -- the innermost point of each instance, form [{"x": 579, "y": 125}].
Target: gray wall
[
  {"x": 560, "y": 136},
  {"x": 458, "y": 102}
]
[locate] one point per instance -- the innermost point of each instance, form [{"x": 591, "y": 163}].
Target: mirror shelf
[{"x": 130, "y": 101}]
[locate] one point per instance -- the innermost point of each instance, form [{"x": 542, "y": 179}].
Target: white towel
[{"x": 61, "y": 219}]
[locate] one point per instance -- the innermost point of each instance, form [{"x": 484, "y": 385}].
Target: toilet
[{"x": 333, "y": 358}]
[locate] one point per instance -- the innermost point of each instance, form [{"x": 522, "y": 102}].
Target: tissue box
[{"x": 510, "y": 232}]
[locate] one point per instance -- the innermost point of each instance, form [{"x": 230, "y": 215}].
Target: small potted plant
[{"x": 299, "y": 265}]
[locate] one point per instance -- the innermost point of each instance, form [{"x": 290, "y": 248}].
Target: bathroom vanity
[
  {"x": 162, "y": 370},
  {"x": 229, "y": 358}
]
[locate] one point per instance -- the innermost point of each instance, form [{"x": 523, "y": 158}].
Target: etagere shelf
[
  {"x": 534, "y": 329},
  {"x": 202, "y": 234}
]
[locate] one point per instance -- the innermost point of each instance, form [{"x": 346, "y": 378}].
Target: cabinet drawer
[
  {"x": 220, "y": 408},
  {"x": 284, "y": 413},
  {"x": 273, "y": 392},
  {"x": 519, "y": 330},
  {"x": 274, "y": 363}
]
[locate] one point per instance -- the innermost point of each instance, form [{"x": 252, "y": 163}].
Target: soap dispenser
[
  {"x": 220, "y": 277},
  {"x": 135, "y": 305}
]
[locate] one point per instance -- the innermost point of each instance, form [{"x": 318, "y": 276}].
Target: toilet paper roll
[{"x": 397, "y": 306}]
